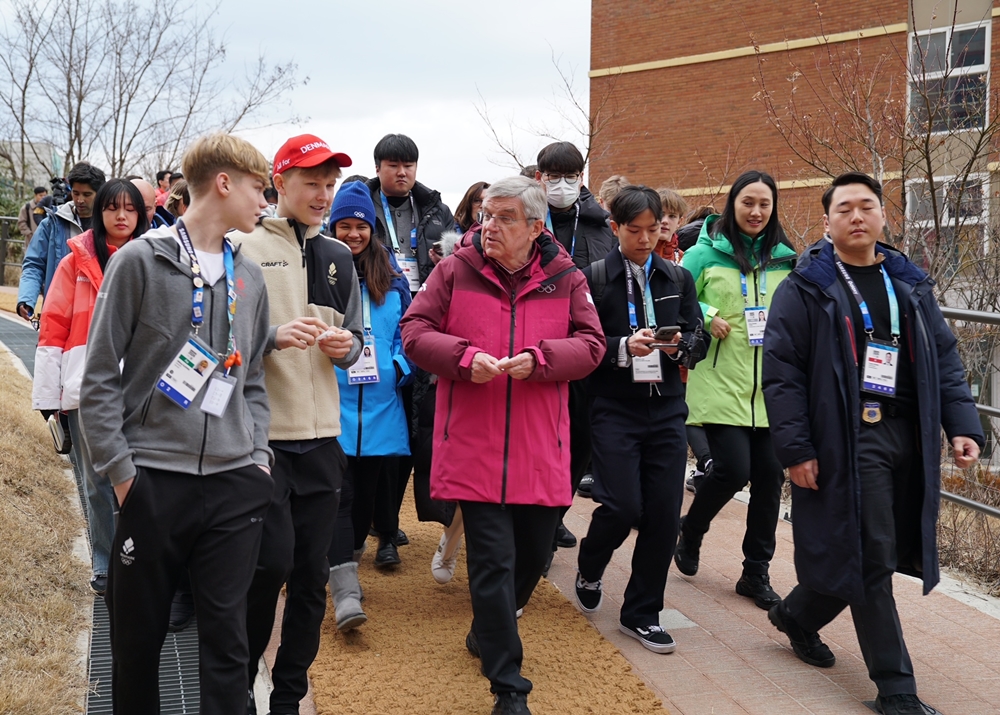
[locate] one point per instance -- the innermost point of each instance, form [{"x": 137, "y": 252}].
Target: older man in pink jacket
[{"x": 505, "y": 323}]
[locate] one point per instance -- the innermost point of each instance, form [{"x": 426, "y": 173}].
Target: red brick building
[{"x": 678, "y": 91}]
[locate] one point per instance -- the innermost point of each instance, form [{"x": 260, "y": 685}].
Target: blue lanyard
[
  {"x": 647, "y": 304},
  {"x": 863, "y": 306},
  {"x": 390, "y": 226},
  {"x": 576, "y": 222},
  {"x": 762, "y": 280},
  {"x": 198, "y": 292}
]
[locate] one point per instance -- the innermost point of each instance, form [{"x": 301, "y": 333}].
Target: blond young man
[
  {"x": 316, "y": 324},
  {"x": 176, "y": 415}
]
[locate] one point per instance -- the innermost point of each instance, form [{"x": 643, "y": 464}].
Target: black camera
[{"x": 691, "y": 351}]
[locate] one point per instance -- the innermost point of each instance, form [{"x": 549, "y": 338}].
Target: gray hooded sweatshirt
[{"x": 143, "y": 317}]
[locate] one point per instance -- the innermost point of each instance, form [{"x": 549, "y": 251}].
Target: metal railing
[
  {"x": 973, "y": 316},
  {"x": 9, "y": 236}
]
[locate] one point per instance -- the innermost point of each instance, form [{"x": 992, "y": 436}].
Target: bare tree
[
  {"x": 583, "y": 120},
  {"x": 125, "y": 84}
]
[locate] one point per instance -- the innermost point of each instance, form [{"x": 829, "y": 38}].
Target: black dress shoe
[
  {"x": 510, "y": 704},
  {"x": 548, "y": 565},
  {"x": 586, "y": 485},
  {"x": 472, "y": 644},
  {"x": 387, "y": 555},
  {"x": 903, "y": 705},
  {"x": 758, "y": 587},
  {"x": 806, "y": 645},
  {"x": 401, "y": 538},
  {"x": 564, "y": 537},
  {"x": 687, "y": 554}
]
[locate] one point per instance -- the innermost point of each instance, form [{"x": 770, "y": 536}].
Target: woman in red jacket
[
  {"x": 62, "y": 345},
  {"x": 505, "y": 323}
]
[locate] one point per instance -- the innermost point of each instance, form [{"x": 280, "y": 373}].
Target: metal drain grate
[{"x": 179, "y": 691}]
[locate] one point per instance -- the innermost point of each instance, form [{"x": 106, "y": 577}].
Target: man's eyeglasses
[
  {"x": 505, "y": 221},
  {"x": 553, "y": 179}
]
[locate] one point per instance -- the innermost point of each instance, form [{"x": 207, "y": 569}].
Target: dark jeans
[
  {"x": 640, "y": 453},
  {"x": 741, "y": 455},
  {"x": 297, "y": 535},
  {"x": 891, "y": 493},
  {"x": 507, "y": 548},
  {"x": 342, "y": 544},
  {"x": 209, "y": 526}
]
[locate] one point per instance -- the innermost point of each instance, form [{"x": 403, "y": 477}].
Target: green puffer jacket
[{"x": 726, "y": 386}]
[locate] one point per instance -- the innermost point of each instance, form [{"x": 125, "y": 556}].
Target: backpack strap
[{"x": 598, "y": 279}]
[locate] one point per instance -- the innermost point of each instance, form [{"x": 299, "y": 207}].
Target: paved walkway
[
  {"x": 20, "y": 337},
  {"x": 730, "y": 659}
]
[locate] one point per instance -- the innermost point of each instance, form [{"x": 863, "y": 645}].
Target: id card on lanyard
[
  {"x": 881, "y": 358},
  {"x": 755, "y": 315},
  {"x": 365, "y": 370},
  {"x": 407, "y": 259},
  {"x": 644, "y": 369},
  {"x": 195, "y": 364}
]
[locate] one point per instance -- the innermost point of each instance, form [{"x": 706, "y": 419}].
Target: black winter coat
[
  {"x": 674, "y": 305},
  {"x": 434, "y": 219},
  {"x": 810, "y": 379}
]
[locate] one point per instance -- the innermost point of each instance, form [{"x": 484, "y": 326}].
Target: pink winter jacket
[{"x": 507, "y": 440}]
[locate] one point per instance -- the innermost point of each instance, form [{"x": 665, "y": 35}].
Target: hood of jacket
[
  {"x": 66, "y": 213},
  {"x": 82, "y": 247},
  {"x": 590, "y": 210},
  {"x": 554, "y": 259}
]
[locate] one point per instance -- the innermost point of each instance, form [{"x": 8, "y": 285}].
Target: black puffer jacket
[{"x": 433, "y": 219}]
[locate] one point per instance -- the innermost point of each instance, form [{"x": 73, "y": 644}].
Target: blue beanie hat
[{"x": 353, "y": 201}]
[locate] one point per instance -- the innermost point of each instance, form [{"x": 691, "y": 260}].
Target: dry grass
[
  {"x": 44, "y": 596},
  {"x": 967, "y": 540}
]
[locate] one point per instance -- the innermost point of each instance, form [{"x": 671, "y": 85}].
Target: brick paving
[{"x": 730, "y": 659}]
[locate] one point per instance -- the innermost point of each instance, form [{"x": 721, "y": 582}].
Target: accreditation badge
[
  {"x": 411, "y": 271},
  {"x": 647, "y": 369},
  {"x": 365, "y": 370},
  {"x": 881, "y": 361},
  {"x": 188, "y": 372},
  {"x": 756, "y": 317},
  {"x": 871, "y": 413}
]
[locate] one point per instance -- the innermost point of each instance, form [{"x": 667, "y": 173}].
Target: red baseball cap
[{"x": 306, "y": 150}]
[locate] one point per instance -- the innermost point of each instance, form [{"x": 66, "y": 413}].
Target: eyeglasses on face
[
  {"x": 505, "y": 221},
  {"x": 553, "y": 179}
]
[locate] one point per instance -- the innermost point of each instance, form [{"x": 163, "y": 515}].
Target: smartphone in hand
[{"x": 664, "y": 336}]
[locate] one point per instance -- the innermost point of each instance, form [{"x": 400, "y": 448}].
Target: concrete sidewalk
[{"x": 730, "y": 659}]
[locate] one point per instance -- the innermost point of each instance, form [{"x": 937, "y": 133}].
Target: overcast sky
[{"x": 414, "y": 68}]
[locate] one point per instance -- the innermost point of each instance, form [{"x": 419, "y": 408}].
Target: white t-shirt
[{"x": 212, "y": 264}]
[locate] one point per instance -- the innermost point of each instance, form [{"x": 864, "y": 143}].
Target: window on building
[
  {"x": 959, "y": 240},
  {"x": 949, "y": 78}
]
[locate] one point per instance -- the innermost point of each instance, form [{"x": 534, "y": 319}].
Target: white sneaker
[{"x": 441, "y": 568}]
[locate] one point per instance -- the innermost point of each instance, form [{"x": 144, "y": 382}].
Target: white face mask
[{"x": 562, "y": 195}]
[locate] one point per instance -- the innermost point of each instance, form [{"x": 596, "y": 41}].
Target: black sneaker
[
  {"x": 401, "y": 538},
  {"x": 472, "y": 644},
  {"x": 387, "y": 555},
  {"x": 510, "y": 704},
  {"x": 181, "y": 611},
  {"x": 806, "y": 645},
  {"x": 903, "y": 705},
  {"x": 687, "y": 554},
  {"x": 564, "y": 537},
  {"x": 654, "y": 638},
  {"x": 694, "y": 481},
  {"x": 588, "y": 595},
  {"x": 548, "y": 565},
  {"x": 586, "y": 485},
  {"x": 758, "y": 587},
  {"x": 99, "y": 584}
]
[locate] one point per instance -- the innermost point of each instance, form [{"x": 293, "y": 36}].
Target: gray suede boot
[{"x": 346, "y": 592}]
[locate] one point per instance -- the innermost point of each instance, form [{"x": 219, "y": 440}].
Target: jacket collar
[
  {"x": 720, "y": 243},
  {"x": 423, "y": 196},
  {"x": 817, "y": 265},
  {"x": 66, "y": 213},
  {"x": 591, "y": 211},
  {"x": 285, "y": 228},
  {"x": 553, "y": 261},
  {"x": 615, "y": 262},
  {"x": 82, "y": 247}
]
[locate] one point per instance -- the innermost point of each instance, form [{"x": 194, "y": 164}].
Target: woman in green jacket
[{"x": 740, "y": 258}]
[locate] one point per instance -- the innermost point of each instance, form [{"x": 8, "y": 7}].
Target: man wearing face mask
[{"x": 581, "y": 226}]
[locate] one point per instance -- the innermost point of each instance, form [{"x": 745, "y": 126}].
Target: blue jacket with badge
[
  {"x": 814, "y": 403},
  {"x": 373, "y": 421},
  {"x": 47, "y": 247}
]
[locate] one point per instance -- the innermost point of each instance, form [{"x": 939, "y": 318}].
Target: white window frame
[
  {"x": 951, "y": 72},
  {"x": 947, "y": 219}
]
